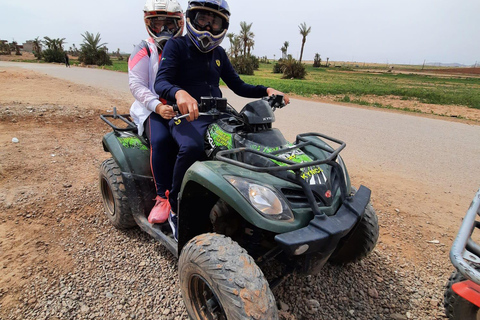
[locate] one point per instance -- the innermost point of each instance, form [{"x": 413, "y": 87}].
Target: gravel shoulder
[{"x": 61, "y": 259}]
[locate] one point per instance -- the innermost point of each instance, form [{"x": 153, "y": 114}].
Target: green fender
[
  {"x": 130, "y": 153},
  {"x": 210, "y": 175}
]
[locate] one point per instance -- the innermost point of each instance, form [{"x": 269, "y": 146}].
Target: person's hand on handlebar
[
  {"x": 271, "y": 91},
  {"x": 187, "y": 104},
  {"x": 165, "y": 111}
]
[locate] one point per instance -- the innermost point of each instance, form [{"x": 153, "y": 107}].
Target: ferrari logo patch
[
  {"x": 178, "y": 121},
  {"x": 218, "y": 62}
]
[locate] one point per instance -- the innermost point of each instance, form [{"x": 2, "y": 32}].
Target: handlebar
[{"x": 213, "y": 106}]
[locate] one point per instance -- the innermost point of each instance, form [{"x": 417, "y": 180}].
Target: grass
[
  {"x": 335, "y": 81},
  {"x": 118, "y": 65}
]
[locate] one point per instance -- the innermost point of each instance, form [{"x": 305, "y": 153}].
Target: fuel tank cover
[{"x": 258, "y": 112}]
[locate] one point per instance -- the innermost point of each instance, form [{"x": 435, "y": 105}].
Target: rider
[
  {"x": 191, "y": 67},
  {"x": 163, "y": 20}
]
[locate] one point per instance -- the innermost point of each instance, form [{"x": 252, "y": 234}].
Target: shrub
[
  {"x": 245, "y": 64},
  {"x": 89, "y": 57},
  {"x": 277, "y": 67},
  {"x": 51, "y": 55},
  {"x": 317, "y": 61},
  {"x": 294, "y": 69},
  {"x": 291, "y": 69}
]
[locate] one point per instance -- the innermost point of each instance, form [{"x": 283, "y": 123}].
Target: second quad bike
[
  {"x": 462, "y": 292},
  {"x": 256, "y": 199}
]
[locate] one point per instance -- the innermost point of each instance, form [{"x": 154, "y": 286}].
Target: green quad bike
[{"x": 257, "y": 199}]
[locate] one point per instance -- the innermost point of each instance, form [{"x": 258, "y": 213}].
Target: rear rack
[
  {"x": 465, "y": 252},
  {"x": 124, "y": 117},
  {"x": 301, "y": 142}
]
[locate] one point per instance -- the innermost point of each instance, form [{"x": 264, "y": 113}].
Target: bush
[
  {"x": 291, "y": 69},
  {"x": 245, "y": 64},
  {"x": 50, "y": 55},
  {"x": 89, "y": 57},
  {"x": 265, "y": 60},
  {"x": 317, "y": 61},
  {"x": 277, "y": 67}
]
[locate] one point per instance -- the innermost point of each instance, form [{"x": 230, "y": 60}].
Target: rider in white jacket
[{"x": 163, "y": 20}]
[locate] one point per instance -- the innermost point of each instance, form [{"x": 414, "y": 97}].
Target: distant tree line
[
  {"x": 7, "y": 48},
  {"x": 91, "y": 52}
]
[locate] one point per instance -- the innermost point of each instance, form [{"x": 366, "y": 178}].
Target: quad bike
[
  {"x": 257, "y": 199},
  {"x": 462, "y": 293}
]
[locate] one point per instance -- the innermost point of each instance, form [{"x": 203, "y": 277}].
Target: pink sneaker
[{"x": 160, "y": 211}]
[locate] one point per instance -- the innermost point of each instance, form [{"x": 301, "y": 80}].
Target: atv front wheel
[
  {"x": 219, "y": 280},
  {"x": 457, "y": 308},
  {"x": 114, "y": 199},
  {"x": 361, "y": 240}
]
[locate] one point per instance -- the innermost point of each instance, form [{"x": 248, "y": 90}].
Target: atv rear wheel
[
  {"x": 457, "y": 308},
  {"x": 114, "y": 199},
  {"x": 219, "y": 280},
  {"x": 361, "y": 240}
]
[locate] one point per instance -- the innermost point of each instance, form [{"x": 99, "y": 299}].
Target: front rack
[
  {"x": 301, "y": 142},
  {"x": 465, "y": 252}
]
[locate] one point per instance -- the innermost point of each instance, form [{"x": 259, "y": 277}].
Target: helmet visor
[
  {"x": 161, "y": 25},
  {"x": 209, "y": 21}
]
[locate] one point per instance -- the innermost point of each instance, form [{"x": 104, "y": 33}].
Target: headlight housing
[{"x": 265, "y": 200}]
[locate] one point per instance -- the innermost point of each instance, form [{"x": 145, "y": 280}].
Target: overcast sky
[{"x": 383, "y": 31}]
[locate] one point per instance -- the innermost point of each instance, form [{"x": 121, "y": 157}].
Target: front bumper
[{"x": 323, "y": 233}]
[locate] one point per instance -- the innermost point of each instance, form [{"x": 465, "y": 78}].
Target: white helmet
[{"x": 163, "y": 19}]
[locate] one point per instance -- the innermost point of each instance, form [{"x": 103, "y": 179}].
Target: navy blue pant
[
  {"x": 163, "y": 152},
  {"x": 189, "y": 137}
]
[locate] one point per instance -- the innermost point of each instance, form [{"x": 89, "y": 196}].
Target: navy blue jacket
[{"x": 183, "y": 66}]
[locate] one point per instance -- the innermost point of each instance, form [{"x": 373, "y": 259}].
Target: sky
[{"x": 381, "y": 31}]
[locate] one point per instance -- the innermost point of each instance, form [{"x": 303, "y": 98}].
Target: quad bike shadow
[
  {"x": 462, "y": 292},
  {"x": 256, "y": 199}
]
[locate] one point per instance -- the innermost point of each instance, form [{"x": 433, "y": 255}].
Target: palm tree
[
  {"x": 250, "y": 45},
  {"x": 237, "y": 46},
  {"x": 91, "y": 42},
  {"x": 304, "y": 31},
  {"x": 54, "y": 44},
  {"x": 92, "y": 51},
  {"x": 286, "y": 44},
  {"x": 231, "y": 37},
  {"x": 37, "y": 48},
  {"x": 246, "y": 35},
  {"x": 54, "y": 49}
]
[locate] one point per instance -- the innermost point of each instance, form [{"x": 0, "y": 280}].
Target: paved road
[{"x": 442, "y": 153}]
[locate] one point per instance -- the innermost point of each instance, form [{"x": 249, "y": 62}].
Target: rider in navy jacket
[
  {"x": 184, "y": 67},
  {"x": 191, "y": 68}
]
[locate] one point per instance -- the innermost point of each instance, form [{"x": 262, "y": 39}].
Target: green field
[
  {"x": 357, "y": 83},
  {"x": 353, "y": 83}
]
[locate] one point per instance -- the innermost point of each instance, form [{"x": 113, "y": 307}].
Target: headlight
[{"x": 266, "y": 200}]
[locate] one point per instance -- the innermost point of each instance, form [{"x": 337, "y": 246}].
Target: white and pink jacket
[{"x": 142, "y": 70}]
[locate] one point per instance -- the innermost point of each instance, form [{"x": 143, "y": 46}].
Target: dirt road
[{"x": 423, "y": 172}]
